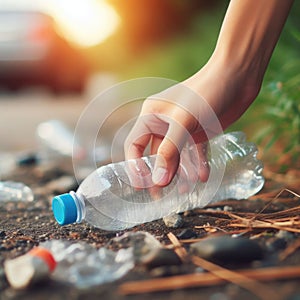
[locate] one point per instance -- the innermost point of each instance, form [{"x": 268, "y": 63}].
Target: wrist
[
  {"x": 239, "y": 66},
  {"x": 222, "y": 83},
  {"x": 249, "y": 33}
]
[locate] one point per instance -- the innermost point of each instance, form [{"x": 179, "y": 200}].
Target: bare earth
[{"x": 25, "y": 225}]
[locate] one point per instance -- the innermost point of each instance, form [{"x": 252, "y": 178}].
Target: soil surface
[{"x": 24, "y": 225}]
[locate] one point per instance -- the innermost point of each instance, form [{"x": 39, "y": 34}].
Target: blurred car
[{"x": 32, "y": 52}]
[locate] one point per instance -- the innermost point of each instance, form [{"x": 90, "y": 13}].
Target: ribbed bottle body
[{"x": 122, "y": 195}]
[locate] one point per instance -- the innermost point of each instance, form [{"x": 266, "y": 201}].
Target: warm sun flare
[{"x": 86, "y": 22}]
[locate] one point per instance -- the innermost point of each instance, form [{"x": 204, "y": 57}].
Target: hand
[
  {"x": 190, "y": 112},
  {"x": 215, "y": 96}
]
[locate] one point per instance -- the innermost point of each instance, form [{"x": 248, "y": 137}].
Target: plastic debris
[
  {"x": 15, "y": 191},
  {"x": 33, "y": 267},
  {"x": 83, "y": 266},
  {"x": 122, "y": 195}
]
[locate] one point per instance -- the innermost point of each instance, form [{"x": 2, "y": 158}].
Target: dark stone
[
  {"x": 225, "y": 249},
  {"x": 173, "y": 221},
  {"x": 28, "y": 159},
  {"x": 166, "y": 271},
  {"x": 294, "y": 297},
  {"x": 286, "y": 235},
  {"x": 187, "y": 234},
  {"x": 161, "y": 257},
  {"x": 276, "y": 244}
]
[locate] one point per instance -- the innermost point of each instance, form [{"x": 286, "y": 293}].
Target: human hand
[
  {"x": 191, "y": 113},
  {"x": 214, "y": 97}
]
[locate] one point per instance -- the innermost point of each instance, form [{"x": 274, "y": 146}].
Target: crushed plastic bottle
[
  {"x": 79, "y": 264},
  {"x": 82, "y": 265},
  {"x": 56, "y": 140},
  {"x": 28, "y": 269},
  {"x": 107, "y": 198},
  {"x": 15, "y": 191}
]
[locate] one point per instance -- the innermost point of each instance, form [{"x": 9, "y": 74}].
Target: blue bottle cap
[{"x": 64, "y": 209}]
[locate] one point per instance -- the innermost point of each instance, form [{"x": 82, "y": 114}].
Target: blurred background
[{"x": 57, "y": 55}]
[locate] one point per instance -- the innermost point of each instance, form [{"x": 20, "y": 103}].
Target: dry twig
[
  {"x": 289, "y": 250},
  {"x": 288, "y": 219},
  {"x": 247, "y": 283},
  {"x": 250, "y": 284},
  {"x": 205, "y": 279},
  {"x": 180, "y": 251}
]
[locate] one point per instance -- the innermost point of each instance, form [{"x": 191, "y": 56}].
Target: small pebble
[
  {"x": 227, "y": 208},
  {"x": 225, "y": 249},
  {"x": 294, "y": 297},
  {"x": 165, "y": 271},
  {"x": 173, "y": 221},
  {"x": 218, "y": 296},
  {"x": 283, "y": 234},
  {"x": 275, "y": 244},
  {"x": 28, "y": 159},
  {"x": 161, "y": 257},
  {"x": 187, "y": 234},
  {"x": 142, "y": 243}
]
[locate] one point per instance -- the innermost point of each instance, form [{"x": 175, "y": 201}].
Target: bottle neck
[{"x": 80, "y": 205}]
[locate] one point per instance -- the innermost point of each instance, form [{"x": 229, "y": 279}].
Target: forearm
[
  {"x": 249, "y": 33},
  {"x": 222, "y": 89}
]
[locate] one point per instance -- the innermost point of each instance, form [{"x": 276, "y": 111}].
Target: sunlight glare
[{"x": 85, "y": 22}]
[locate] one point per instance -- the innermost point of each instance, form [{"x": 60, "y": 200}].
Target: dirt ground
[{"x": 25, "y": 225}]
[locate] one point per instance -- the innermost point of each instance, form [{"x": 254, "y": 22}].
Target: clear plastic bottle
[
  {"x": 30, "y": 268},
  {"x": 78, "y": 264},
  {"x": 56, "y": 140},
  {"x": 84, "y": 266},
  {"x": 107, "y": 198},
  {"x": 15, "y": 191}
]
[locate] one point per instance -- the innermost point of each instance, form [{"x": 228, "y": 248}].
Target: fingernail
[{"x": 160, "y": 176}]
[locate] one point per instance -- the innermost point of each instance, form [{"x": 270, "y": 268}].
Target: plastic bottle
[
  {"x": 78, "y": 264},
  {"x": 107, "y": 199},
  {"x": 84, "y": 266},
  {"x": 55, "y": 141},
  {"x": 15, "y": 191},
  {"x": 33, "y": 267}
]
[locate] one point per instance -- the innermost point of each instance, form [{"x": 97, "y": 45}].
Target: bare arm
[
  {"x": 248, "y": 36},
  {"x": 250, "y": 32},
  {"x": 228, "y": 83}
]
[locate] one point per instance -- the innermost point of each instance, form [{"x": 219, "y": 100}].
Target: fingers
[
  {"x": 148, "y": 128},
  {"x": 134, "y": 146},
  {"x": 168, "y": 154},
  {"x": 167, "y": 126},
  {"x": 155, "y": 143},
  {"x": 167, "y": 142},
  {"x": 137, "y": 140}
]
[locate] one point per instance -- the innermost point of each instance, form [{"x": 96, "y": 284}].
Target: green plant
[
  {"x": 273, "y": 121},
  {"x": 280, "y": 95},
  {"x": 282, "y": 112}
]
